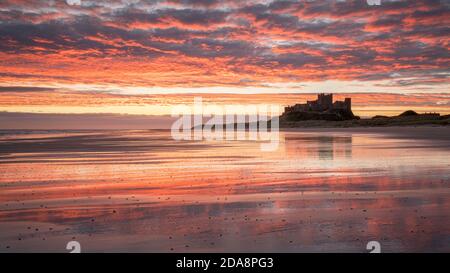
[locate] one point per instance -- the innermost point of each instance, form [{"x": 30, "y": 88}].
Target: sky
[{"x": 140, "y": 57}]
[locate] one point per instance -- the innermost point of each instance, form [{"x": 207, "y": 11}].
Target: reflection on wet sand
[
  {"x": 323, "y": 147},
  {"x": 141, "y": 191}
]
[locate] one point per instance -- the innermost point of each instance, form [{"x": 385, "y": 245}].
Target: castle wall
[{"x": 343, "y": 105}]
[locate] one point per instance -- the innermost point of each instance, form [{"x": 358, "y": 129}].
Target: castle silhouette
[
  {"x": 323, "y": 103},
  {"x": 321, "y": 109}
]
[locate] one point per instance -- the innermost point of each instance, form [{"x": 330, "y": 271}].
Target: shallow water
[{"x": 140, "y": 191}]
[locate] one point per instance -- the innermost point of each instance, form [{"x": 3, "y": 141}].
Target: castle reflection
[{"x": 321, "y": 147}]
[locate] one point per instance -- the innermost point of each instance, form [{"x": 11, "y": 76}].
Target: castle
[
  {"x": 323, "y": 103},
  {"x": 321, "y": 109}
]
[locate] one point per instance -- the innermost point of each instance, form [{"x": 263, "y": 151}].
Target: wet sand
[{"x": 323, "y": 190}]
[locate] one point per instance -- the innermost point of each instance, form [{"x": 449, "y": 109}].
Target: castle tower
[
  {"x": 329, "y": 101},
  {"x": 348, "y": 104},
  {"x": 325, "y": 101}
]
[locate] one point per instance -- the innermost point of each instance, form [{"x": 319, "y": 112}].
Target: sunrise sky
[{"x": 142, "y": 57}]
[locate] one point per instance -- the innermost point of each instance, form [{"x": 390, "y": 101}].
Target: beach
[{"x": 322, "y": 190}]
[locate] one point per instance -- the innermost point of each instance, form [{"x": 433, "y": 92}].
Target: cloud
[
  {"x": 24, "y": 89},
  {"x": 210, "y": 43}
]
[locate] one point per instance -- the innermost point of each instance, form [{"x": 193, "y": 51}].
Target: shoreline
[
  {"x": 418, "y": 131},
  {"x": 408, "y": 132}
]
